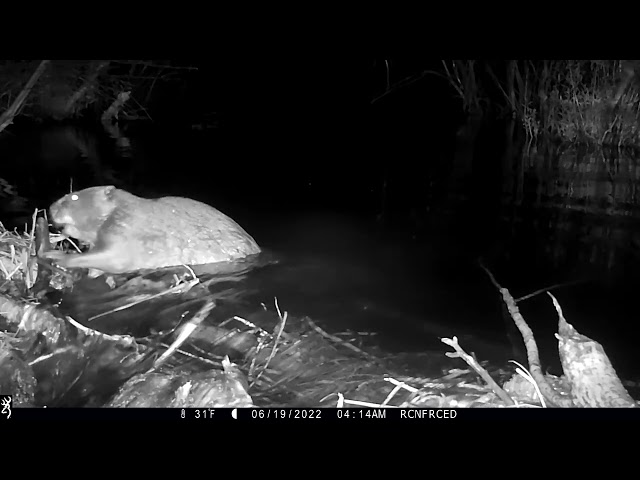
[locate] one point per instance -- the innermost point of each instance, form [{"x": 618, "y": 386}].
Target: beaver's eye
[{"x": 74, "y": 197}]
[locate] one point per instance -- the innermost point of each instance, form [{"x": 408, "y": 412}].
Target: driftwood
[{"x": 591, "y": 379}]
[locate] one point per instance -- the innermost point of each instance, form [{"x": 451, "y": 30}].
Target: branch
[
  {"x": 403, "y": 83},
  {"x": 88, "y": 83},
  {"x": 532, "y": 348},
  {"x": 7, "y": 117},
  {"x": 151, "y": 64}
]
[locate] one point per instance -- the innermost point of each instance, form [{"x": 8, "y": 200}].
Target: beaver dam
[{"x": 205, "y": 337}]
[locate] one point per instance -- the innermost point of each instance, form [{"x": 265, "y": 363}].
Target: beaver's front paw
[{"x": 57, "y": 256}]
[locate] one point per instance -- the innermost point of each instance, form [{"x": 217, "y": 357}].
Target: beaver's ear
[{"x": 108, "y": 190}]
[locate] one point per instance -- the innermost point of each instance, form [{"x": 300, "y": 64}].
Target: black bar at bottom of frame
[{"x": 311, "y": 415}]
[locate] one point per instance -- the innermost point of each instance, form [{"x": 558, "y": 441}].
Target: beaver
[{"x": 126, "y": 233}]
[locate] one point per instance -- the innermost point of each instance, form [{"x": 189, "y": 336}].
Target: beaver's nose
[{"x": 58, "y": 217}]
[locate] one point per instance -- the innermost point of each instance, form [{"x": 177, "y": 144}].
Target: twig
[
  {"x": 358, "y": 403},
  {"x": 546, "y": 289},
  {"x": 283, "y": 321},
  {"x": 398, "y": 386},
  {"x": 90, "y": 331},
  {"x": 523, "y": 372},
  {"x": 185, "y": 333},
  {"x": 460, "y": 353},
  {"x": 340, "y": 341},
  {"x": 178, "y": 288},
  {"x": 191, "y": 355}
]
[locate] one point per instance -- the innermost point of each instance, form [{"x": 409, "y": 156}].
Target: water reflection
[{"x": 573, "y": 212}]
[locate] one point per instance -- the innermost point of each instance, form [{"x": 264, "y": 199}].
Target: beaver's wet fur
[{"x": 128, "y": 233}]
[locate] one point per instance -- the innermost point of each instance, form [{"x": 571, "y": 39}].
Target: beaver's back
[
  {"x": 152, "y": 233},
  {"x": 178, "y": 228}
]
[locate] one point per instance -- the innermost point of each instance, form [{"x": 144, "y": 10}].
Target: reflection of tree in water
[
  {"x": 72, "y": 152},
  {"x": 579, "y": 208}
]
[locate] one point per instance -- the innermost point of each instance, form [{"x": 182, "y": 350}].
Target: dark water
[{"x": 556, "y": 216}]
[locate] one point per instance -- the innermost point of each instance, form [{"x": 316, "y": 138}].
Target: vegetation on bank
[
  {"x": 65, "y": 89},
  {"x": 589, "y": 101},
  {"x": 592, "y": 101}
]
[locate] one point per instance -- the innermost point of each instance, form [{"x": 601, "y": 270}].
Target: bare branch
[{"x": 7, "y": 117}]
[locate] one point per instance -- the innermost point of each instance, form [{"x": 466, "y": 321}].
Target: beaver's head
[{"x": 81, "y": 214}]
